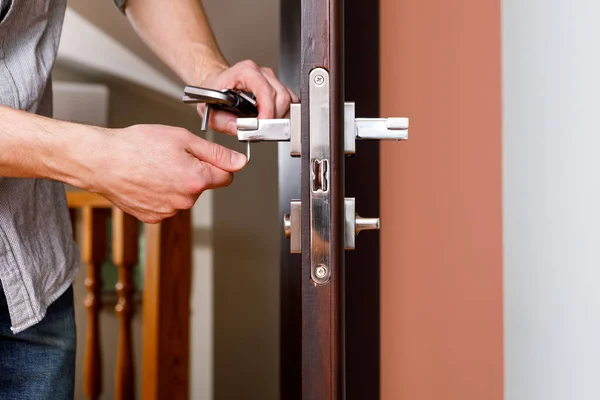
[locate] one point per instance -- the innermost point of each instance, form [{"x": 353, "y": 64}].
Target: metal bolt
[
  {"x": 319, "y": 80},
  {"x": 287, "y": 225},
  {"x": 321, "y": 271}
]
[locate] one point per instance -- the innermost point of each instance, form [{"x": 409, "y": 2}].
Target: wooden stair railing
[
  {"x": 93, "y": 249},
  {"x": 165, "y": 298},
  {"x": 125, "y": 256}
]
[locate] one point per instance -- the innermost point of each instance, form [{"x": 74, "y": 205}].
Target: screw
[
  {"x": 319, "y": 80},
  {"x": 321, "y": 271}
]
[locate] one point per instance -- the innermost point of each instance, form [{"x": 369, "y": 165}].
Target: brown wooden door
[
  {"x": 322, "y": 97},
  {"x": 330, "y": 331}
]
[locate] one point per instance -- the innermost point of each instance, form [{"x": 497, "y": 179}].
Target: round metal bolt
[
  {"x": 319, "y": 80},
  {"x": 287, "y": 225},
  {"x": 321, "y": 271}
]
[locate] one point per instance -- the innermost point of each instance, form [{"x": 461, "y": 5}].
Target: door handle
[
  {"x": 251, "y": 130},
  {"x": 289, "y": 129},
  {"x": 353, "y": 225},
  {"x": 370, "y": 128}
]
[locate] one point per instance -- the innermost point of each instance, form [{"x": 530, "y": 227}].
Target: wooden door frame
[
  {"x": 361, "y": 55},
  {"x": 323, "y": 304}
]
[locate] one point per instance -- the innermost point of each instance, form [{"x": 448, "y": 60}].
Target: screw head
[
  {"x": 321, "y": 271},
  {"x": 319, "y": 80}
]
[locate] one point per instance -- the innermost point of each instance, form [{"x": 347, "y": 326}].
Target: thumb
[{"x": 217, "y": 155}]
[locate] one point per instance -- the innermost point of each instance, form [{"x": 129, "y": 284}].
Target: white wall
[{"x": 551, "y": 72}]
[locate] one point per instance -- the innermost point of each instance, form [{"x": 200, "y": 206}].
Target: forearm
[
  {"x": 32, "y": 146},
  {"x": 179, "y": 33}
]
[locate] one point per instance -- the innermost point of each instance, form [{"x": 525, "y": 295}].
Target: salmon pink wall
[{"x": 441, "y": 281}]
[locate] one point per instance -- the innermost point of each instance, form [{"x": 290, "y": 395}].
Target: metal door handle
[
  {"x": 282, "y": 130},
  {"x": 251, "y": 130},
  {"x": 354, "y": 224},
  {"x": 370, "y": 128}
]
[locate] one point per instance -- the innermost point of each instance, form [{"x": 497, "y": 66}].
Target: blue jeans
[{"x": 39, "y": 363}]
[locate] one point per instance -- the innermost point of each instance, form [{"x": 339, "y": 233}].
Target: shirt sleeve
[{"x": 121, "y": 4}]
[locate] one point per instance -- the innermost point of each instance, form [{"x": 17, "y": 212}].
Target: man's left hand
[{"x": 273, "y": 99}]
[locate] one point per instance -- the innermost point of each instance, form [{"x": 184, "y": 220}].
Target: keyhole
[{"x": 320, "y": 168}]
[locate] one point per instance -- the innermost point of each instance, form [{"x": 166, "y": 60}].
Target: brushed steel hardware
[
  {"x": 289, "y": 129},
  {"x": 261, "y": 130},
  {"x": 370, "y": 128},
  {"x": 366, "y": 224},
  {"x": 292, "y": 224},
  {"x": 251, "y": 130},
  {"x": 320, "y": 195},
  {"x": 353, "y": 225}
]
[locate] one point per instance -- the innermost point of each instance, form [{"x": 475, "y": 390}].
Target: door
[
  {"x": 361, "y": 277},
  {"x": 312, "y": 356},
  {"x": 329, "y": 279}
]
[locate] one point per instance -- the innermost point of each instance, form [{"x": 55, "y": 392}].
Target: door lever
[
  {"x": 272, "y": 130},
  {"x": 353, "y": 225},
  {"x": 370, "y": 128}
]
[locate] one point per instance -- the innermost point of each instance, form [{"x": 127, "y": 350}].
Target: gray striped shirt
[{"x": 38, "y": 257}]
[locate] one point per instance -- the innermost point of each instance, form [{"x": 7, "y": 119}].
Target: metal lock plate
[{"x": 320, "y": 194}]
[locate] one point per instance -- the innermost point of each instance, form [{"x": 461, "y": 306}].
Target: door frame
[{"x": 361, "y": 278}]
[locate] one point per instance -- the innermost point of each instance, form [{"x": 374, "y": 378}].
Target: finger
[
  {"x": 293, "y": 95},
  {"x": 215, "y": 154},
  {"x": 250, "y": 78},
  {"x": 222, "y": 121},
  {"x": 295, "y": 98},
  {"x": 283, "y": 97},
  {"x": 214, "y": 177}
]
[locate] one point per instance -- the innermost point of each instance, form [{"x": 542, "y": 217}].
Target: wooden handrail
[
  {"x": 165, "y": 331},
  {"x": 125, "y": 256},
  {"x": 93, "y": 249},
  {"x": 78, "y": 199}
]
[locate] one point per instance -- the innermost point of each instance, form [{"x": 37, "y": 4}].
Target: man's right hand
[
  {"x": 148, "y": 171},
  {"x": 153, "y": 171}
]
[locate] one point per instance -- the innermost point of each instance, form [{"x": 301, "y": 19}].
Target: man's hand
[
  {"x": 153, "y": 171},
  {"x": 179, "y": 33},
  {"x": 149, "y": 171},
  {"x": 272, "y": 97}
]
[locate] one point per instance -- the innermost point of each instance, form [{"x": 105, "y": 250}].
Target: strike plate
[{"x": 320, "y": 193}]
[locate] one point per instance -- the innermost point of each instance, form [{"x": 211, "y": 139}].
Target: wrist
[
  {"x": 205, "y": 63},
  {"x": 82, "y": 152}
]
